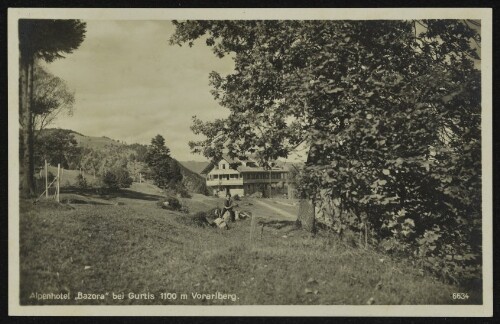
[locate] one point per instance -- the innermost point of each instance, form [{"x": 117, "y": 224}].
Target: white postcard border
[{"x": 485, "y": 14}]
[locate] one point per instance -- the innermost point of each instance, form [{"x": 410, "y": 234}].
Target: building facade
[{"x": 243, "y": 178}]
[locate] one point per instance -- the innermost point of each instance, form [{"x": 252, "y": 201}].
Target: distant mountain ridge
[{"x": 195, "y": 166}]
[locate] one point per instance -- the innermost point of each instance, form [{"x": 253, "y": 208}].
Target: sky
[{"x": 131, "y": 85}]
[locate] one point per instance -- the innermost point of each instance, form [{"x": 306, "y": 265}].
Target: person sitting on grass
[{"x": 228, "y": 207}]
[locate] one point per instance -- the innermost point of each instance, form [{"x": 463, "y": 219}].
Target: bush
[
  {"x": 110, "y": 181},
  {"x": 236, "y": 197},
  {"x": 123, "y": 178},
  {"x": 118, "y": 178}
]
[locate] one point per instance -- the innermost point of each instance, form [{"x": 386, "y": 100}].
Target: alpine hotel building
[{"x": 243, "y": 178}]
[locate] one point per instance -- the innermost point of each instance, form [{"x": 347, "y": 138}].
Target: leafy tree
[
  {"x": 47, "y": 40},
  {"x": 90, "y": 160},
  {"x": 389, "y": 111},
  {"x": 51, "y": 96},
  {"x": 56, "y": 146}
]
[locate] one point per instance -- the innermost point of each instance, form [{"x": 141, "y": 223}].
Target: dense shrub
[
  {"x": 110, "y": 180},
  {"x": 236, "y": 197},
  {"x": 123, "y": 178},
  {"x": 118, "y": 178}
]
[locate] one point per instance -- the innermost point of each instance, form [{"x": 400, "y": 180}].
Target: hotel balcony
[{"x": 224, "y": 182}]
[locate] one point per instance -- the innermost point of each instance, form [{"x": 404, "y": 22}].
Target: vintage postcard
[{"x": 242, "y": 162}]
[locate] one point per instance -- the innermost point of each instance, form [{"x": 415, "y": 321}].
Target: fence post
[
  {"x": 46, "y": 181},
  {"x": 58, "y": 180}
]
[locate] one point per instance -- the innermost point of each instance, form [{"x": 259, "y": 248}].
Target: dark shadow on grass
[
  {"x": 84, "y": 202},
  {"x": 89, "y": 192},
  {"x": 130, "y": 194},
  {"x": 111, "y": 194},
  {"x": 278, "y": 224}
]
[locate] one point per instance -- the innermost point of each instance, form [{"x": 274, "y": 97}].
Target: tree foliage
[
  {"x": 164, "y": 169},
  {"x": 390, "y": 112},
  {"x": 45, "y": 39},
  {"x": 51, "y": 96},
  {"x": 50, "y": 39},
  {"x": 57, "y": 146}
]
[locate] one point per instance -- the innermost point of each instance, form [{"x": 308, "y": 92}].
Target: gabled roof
[
  {"x": 279, "y": 166},
  {"x": 211, "y": 165}
]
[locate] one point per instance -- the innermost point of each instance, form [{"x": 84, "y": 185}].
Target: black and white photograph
[{"x": 284, "y": 158}]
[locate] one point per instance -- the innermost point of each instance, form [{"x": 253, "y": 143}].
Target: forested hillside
[{"x": 97, "y": 155}]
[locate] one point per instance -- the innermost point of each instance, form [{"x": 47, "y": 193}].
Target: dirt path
[{"x": 280, "y": 211}]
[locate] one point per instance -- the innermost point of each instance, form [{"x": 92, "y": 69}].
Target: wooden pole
[
  {"x": 58, "y": 181},
  {"x": 46, "y": 181}
]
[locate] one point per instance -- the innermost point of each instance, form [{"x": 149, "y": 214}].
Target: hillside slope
[
  {"x": 103, "y": 153},
  {"x": 193, "y": 181},
  {"x": 136, "y": 247}
]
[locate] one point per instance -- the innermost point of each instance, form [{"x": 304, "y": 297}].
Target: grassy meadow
[{"x": 124, "y": 243}]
